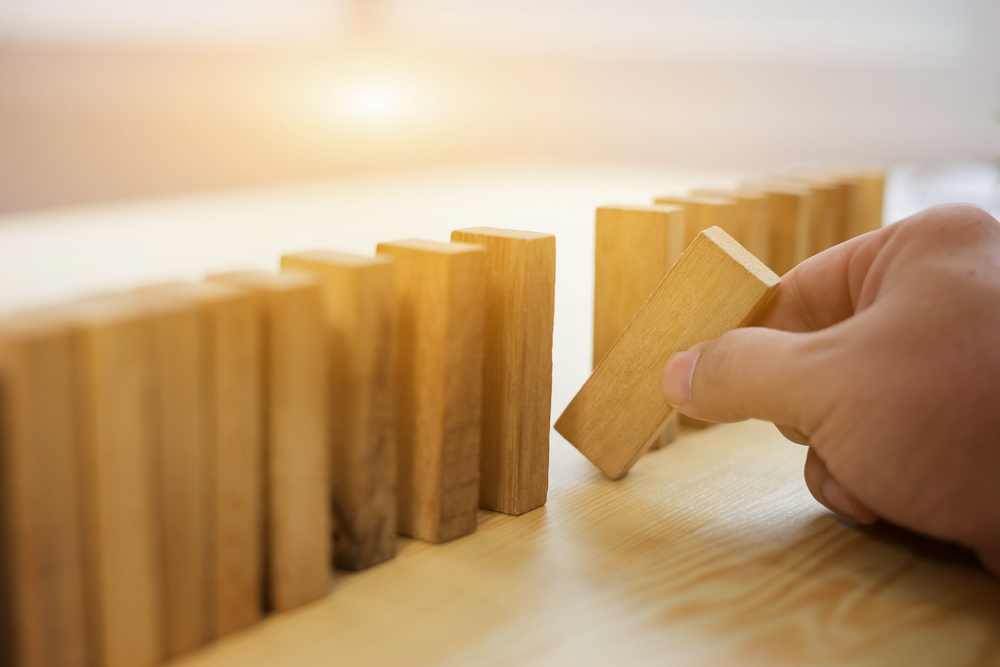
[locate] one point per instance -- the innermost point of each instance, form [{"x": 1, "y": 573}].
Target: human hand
[{"x": 882, "y": 355}]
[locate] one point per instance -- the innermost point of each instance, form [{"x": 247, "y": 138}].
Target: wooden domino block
[
  {"x": 441, "y": 291},
  {"x": 715, "y": 286},
  {"x": 42, "y": 609},
  {"x": 113, "y": 346},
  {"x": 669, "y": 433},
  {"x": 790, "y": 224},
  {"x": 753, "y": 219},
  {"x": 701, "y": 213},
  {"x": 866, "y": 198},
  {"x": 230, "y": 330},
  {"x": 360, "y": 315},
  {"x": 634, "y": 248},
  {"x": 517, "y": 373},
  {"x": 296, "y": 443}
]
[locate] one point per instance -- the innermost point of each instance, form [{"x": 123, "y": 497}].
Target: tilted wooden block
[
  {"x": 715, "y": 286},
  {"x": 517, "y": 370},
  {"x": 753, "y": 218},
  {"x": 296, "y": 443},
  {"x": 441, "y": 289},
  {"x": 116, "y": 388},
  {"x": 790, "y": 224},
  {"x": 230, "y": 330},
  {"x": 42, "y": 609},
  {"x": 360, "y": 315},
  {"x": 634, "y": 248},
  {"x": 700, "y": 213}
]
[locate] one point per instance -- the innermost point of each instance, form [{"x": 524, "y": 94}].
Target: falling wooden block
[
  {"x": 790, "y": 224},
  {"x": 42, "y": 609},
  {"x": 360, "y": 315},
  {"x": 753, "y": 218},
  {"x": 701, "y": 213},
  {"x": 517, "y": 373},
  {"x": 296, "y": 444},
  {"x": 113, "y": 346},
  {"x": 441, "y": 291},
  {"x": 230, "y": 330},
  {"x": 634, "y": 248},
  {"x": 715, "y": 286}
]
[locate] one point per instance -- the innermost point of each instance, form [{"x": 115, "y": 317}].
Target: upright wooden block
[
  {"x": 360, "y": 314},
  {"x": 753, "y": 218},
  {"x": 42, "y": 610},
  {"x": 866, "y": 201},
  {"x": 517, "y": 372},
  {"x": 634, "y": 248},
  {"x": 715, "y": 286},
  {"x": 669, "y": 433},
  {"x": 441, "y": 291},
  {"x": 116, "y": 389},
  {"x": 790, "y": 224},
  {"x": 296, "y": 443},
  {"x": 701, "y": 213},
  {"x": 229, "y": 325}
]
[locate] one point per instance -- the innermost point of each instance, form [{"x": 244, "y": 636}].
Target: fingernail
[
  {"x": 676, "y": 382},
  {"x": 842, "y": 501}
]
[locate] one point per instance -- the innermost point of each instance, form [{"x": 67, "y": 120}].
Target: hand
[{"x": 882, "y": 355}]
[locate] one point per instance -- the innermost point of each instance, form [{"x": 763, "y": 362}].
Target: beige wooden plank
[
  {"x": 360, "y": 314},
  {"x": 753, "y": 218},
  {"x": 789, "y": 208},
  {"x": 701, "y": 213},
  {"x": 116, "y": 389},
  {"x": 634, "y": 248},
  {"x": 42, "y": 611},
  {"x": 715, "y": 286},
  {"x": 441, "y": 290},
  {"x": 231, "y": 380},
  {"x": 517, "y": 372},
  {"x": 297, "y": 512}
]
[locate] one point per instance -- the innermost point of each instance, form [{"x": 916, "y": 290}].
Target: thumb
[{"x": 750, "y": 373}]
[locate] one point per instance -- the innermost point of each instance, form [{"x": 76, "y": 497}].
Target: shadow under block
[
  {"x": 297, "y": 514},
  {"x": 753, "y": 219},
  {"x": 701, "y": 213},
  {"x": 229, "y": 325},
  {"x": 634, "y": 248},
  {"x": 715, "y": 286},
  {"x": 441, "y": 290},
  {"x": 360, "y": 318},
  {"x": 42, "y": 610},
  {"x": 517, "y": 369},
  {"x": 113, "y": 341}
]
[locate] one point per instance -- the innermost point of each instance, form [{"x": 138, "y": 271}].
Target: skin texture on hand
[{"x": 882, "y": 355}]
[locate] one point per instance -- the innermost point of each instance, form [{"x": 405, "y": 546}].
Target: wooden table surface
[{"x": 709, "y": 552}]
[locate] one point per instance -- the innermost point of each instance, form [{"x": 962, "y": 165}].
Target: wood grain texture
[
  {"x": 231, "y": 344},
  {"x": 115, "y": 386},
  {"x": 715, "y": 286},
  {"x": 753, "y": 218},
  {"x": 790, "y": 224},
  {"x": 701, "y": 213},
  {"x": 634, "y": 248},
  {"x": 42, "y": 609},
  {"x": 867, "y": 199},
  {"x": 710, "y": 552},
  {"x": 441, "y": 290},
  {"x": 298, "y": 550},
  {"x": 517, "y": 369},
  {"x": 360, "y": 314}
]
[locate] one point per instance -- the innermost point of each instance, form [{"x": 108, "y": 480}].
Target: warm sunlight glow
[{"x": 374, "y": 102}]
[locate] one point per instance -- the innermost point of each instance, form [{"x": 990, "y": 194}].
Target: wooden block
[
  {"x": 715, "y": 286},
  {"x": 296, "y": 438},
  {"x": 866, "y": 202},
  {"x": 42, "y": 609},
  {"x": 116, "y": 388},
  {"x": 790, "y": 224},
  {"x": 229, "y": 325},
  {"x": 441, "y": 291},
  {"x": 669, "y": 433},
  {"x": 517, "y": 371},
  {"x": 838, "y": 201},
  {"x": 360, "y": 314},
  {"x": 701, "y": 213},
  {"x": 753, "y": 218}
]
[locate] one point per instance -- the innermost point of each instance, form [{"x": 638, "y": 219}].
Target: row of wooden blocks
[
  {"x": 643, "y": 314},
  {"x": 177, "y": 460}
]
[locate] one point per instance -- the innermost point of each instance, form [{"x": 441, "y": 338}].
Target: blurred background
[{"x": 114, "y": 99}]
